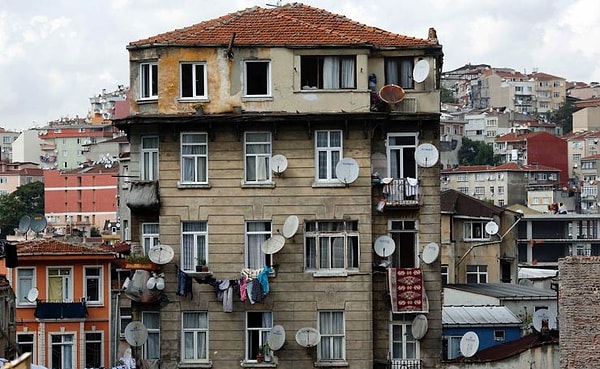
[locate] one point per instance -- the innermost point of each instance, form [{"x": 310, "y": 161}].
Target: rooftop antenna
[{"x": 275, "y": 5}]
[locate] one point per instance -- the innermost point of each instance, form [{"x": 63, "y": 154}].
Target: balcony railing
[
  {"x": 405, "y": 364},
  {"x": 400, "y": 192},
  {"x": 60, "y": 310}
]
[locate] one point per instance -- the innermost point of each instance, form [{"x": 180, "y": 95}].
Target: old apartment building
[{"x": 263, "y": 156}]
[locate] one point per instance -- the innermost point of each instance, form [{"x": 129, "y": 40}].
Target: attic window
[{"x": 328, "y": 72}]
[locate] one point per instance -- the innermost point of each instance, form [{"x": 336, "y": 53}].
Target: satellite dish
[
  {"x": 273, "y": 244},
  {"x": 276, "y": 337},
  {"x": 392, "y": 94},
  {"x": 290, "y": 226},
  {"x": 32, "y": 295},
  {"x": 430, "y": 253},
  {"x": 279, "y": 163},
  {"x": 469, "y": 344},
  {"x": 426, "y": 155},
  {"x": 491, "y": 227},
  {"x": 161, "y": 254},
  {"x": 421, "y": 71},
  {"x": 346, "y": 170},
  {"x": 38, "y": 222},
  {"x": 308, "y": 337},
  {"x": 384, "y": 246},
  {"x": 136, "y": 333},
  {"x": 419, "y": 326},
  {"x": 24, "y": 224},
  {"x": 543, "y": 320}
]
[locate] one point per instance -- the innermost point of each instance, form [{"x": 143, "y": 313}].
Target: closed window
[
  {"x": 193, "y": 80},
  {"x": 257, "y": 151},
  {"x": 475, "y": 230},
  {"x": 477, "y": 274},
  {"x": 149, "y": 158},
  {"x": 194, "y": 245},
  {"x": 60, "y": 285},
  {"x": 328, "y": 152},
  {"x": 333, "y": 339},
  {"x": 93, "y": 285},
  {"x": 25, "y": 342},
  {"x": 150, "y": 235},
  {"x": 149, "y": 80},
  {"x": 256, "y": 234},
  {"x": 398, "y": 71},
  {"x": 194, "y": 336},
  {"x": 93, "y": 350},
  {"x": 401, "y": 155},
  {"x": 258, "y": 327},
  {"x": 404, "y": 345},
  {"x": 25, "y": 282},
  {"x": 61, "y": 351},
  {"x": 331, "y": 245},
  {"x": 124, "y": 319},
  {"x": 194, "y": 157},
  {"x": 151, "y": 349},
  {"x": 328, "y": 72},
  {"x": 257, "y": 77}
]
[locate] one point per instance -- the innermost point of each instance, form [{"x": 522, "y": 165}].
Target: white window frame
[
  {"x": 148, "y": 81},
  {"x": 64, "y": 344},
  {"x": 150, "y": 235},
  {"x": 403, "y": 73},
  {"x": 256, "y": 336},
  {"x": 255, "y": 257},
  {"x": 328, "y": 154},
  {"x": 334, "y": 72},
  {"x": 99, "y": 341},
  {"x": 248, "y": 81},
  {"x": 480, "y": 272},
  {"x": 100, "y": 284},
  {"x": 124, "y": 319},
  {"x": 66, "y": 283},
  {"x": 153, "y": 335},
  {"x": 24, "y": 284},
  {"x": 194, "y": 79},
  {"x": 194, "y": 157},
  {"x": 149, "y": 158},
  {"x": 253, "y": 159},
  {"x": 331, "y": 336},
  {"x": 194, "y": 244},
  {"x": 445, "y": 271},
  {"x": 401, "y": 156},
  {"x": 404, "y": 348},
  {"x": 32, "y": 342},
  {"x": 198, "y": 334},
  {"x": 344, "y": 231},
  {"x": 452, "y": 344}
]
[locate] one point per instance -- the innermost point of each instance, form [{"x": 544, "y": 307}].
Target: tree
[
  {"x": 476, "y": 153},
  {"x": 447, "y": 96},
  {"x": 564, "y": 116},
  {"x": 27, "y": 199}
]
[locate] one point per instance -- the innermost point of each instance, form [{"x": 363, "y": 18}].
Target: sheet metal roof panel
[
  {"x": 478, "y": 315},
  {"x": 505, "y": 291}
]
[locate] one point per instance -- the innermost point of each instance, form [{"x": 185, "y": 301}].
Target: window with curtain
[
  {"x": 150, "y": 235},
  {"x": 194, "y": 245},
  {"x": 194, "y": 336},
  {"x": 93, "y": 350},
  {"x": 61, "y": 351},
  {"x": 257, "y": 151},
  {"x": 404, "y": 234},
  {"x": 328, "y": 152},
  {"x": 398, "y": 71},
  {"x": 327, "y": 72},
  {"x": 258, "y": 326},
  {"x": 333, "y": 337},
  {"x": 93, "y": 285},
  {"x": 60, "y": 285},
  {"x": 194, "y": 157},
  {"x": 193, "y": 80},
  {"x": 25, "y": 282},
  {"x": 257, "y": 77},
  {"x": 401, "y": 155},
  {"x": 404, "y": 345},
  {"x": 331, "y": 245},
  {"x": 149, "y": 158},
  {"x": 148, "y": 80},
  {"x": 151, "y": 349},
  {"x": 256, "y": 234}
]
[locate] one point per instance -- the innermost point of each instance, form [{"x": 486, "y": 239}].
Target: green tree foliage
[
  {"x": 476, "y": 153},
  {"x": 447, "y": 96},
  {"x": 27, "y": 199},
  {"x": 564, "y": 116}
]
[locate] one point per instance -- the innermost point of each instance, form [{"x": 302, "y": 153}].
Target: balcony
[
  {"x": 60, "y": 310},
  {"x": 405, "y": 364},
  {"x": 399, "y": 193},
  {"x": 143, "y": 195}
]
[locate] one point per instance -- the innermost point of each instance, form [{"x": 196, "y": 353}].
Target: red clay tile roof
[
  {"x": 540, "y": 76},
  {"x": 292, "y": 24},
  {"x": 56, "y": 248}
]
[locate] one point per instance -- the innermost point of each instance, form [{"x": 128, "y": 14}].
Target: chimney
[{"x": 432, "y": 36}]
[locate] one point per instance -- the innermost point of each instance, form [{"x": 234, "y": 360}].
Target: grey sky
[{"x": 56, "y": 54}]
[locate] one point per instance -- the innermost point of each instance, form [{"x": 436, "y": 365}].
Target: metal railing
[
  {"x": 401, "y": 191},
  {"x": 405, "y": 364}
]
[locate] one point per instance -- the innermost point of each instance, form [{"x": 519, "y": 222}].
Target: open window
[{"x": 328, "y": 72}]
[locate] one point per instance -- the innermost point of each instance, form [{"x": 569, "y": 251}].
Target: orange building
[{"x": 62, "y": 303}]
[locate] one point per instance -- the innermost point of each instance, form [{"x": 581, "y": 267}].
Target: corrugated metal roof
[
  {"x": 505, "y": 291},
  {"x": 537, "y": 273},
  {"x": 478, "y": 315}
]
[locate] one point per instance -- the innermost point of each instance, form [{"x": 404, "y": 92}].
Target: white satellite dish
[
  {"x": 419, "y": 327},
  {"x": 426, "y": 155},
  {"x": 276, "y": 337},
  {"x": 469, "y": 344},
  {"x": 279, "y": 163},
  {"x": 161, "y": 254},
  {"x": 136, "y": 333},
  {"x": 32, "y": 295},
  {"x": 491, "y": 227},
  {"x": 290, "y": 226},
  {"x": 384, "y": 246},
  {"x": 421, "y": 71},
  {"x": 308, "y": 337},
  {"x": 544, "y": 319},
  {"x": 430, "y": 253},
  {"x": 273, "y": 244},
  {"x": 346, "y": 170},
  {"x": 24, "y": 224}
]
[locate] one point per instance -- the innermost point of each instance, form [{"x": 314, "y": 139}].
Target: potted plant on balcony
[
  {"x": 201, "y": 266},
  {"x": 264, "y": 353},
  {"x": 139, "y": 262}
]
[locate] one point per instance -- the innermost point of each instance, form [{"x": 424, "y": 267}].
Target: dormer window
[{"x": 328, "y": 72}]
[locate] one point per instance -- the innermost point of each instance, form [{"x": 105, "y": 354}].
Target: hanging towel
[{"x": 411, "y": 187}]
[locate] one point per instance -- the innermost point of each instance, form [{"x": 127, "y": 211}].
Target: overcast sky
[{"x": 56, "y": 54}]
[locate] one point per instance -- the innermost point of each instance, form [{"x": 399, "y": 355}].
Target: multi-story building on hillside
[
  {"x": 550, "y": 92},
  {"x": 261, "y": 152},
  {"x": 109, "y": 105},
  {"x": 6, "y": 140},
  {"x": 504, "y": 88},
  {"x": 17, "y": 174},
  {"x": 27, "y": 148}
]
